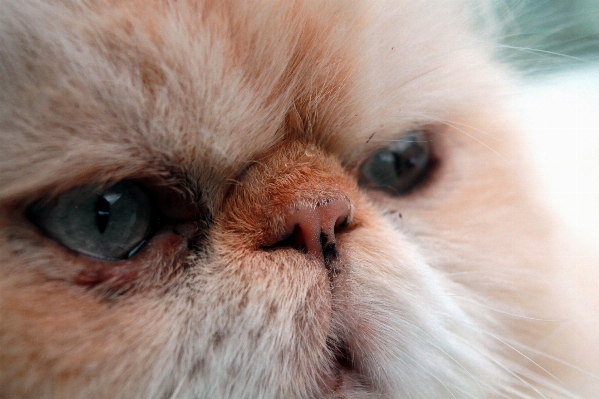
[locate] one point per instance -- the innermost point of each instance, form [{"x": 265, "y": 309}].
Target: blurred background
[
  {"x": 546, "y": 36},
  {"x": 554, "y": 46}
]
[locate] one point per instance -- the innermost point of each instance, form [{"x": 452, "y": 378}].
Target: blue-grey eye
[
  {"x": 400, "y": 167},
  {"x": 111, "y": 223}
]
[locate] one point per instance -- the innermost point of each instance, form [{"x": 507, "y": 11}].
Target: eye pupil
[
  {"x": 402, "y": 164},
  {"x": 102, "y": 213}
]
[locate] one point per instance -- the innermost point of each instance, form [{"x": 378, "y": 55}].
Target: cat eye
[
  {"x": 112, "y": 223},
  {"x": 400, "y": 167}
]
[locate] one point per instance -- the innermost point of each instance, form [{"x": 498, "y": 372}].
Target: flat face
[{"x": 243, "y": 199}]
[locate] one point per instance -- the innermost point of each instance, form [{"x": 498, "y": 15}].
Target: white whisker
[
  {"x": 532, "y": 376},
  {"x": 534, "y": 50},
  {"x": 461, "y": 297},
  {"x": 176, "y": 391},
  {"x": 467, "y": 134},
  {"x": 421, "y": 367}
]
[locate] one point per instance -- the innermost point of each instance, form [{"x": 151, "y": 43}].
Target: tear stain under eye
[{"x": 155, "y": 265}]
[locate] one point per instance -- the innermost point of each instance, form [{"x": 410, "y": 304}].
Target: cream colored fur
[{"x": 461, "y": 289}]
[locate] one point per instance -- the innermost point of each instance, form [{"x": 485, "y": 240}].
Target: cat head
[{"x": 257, "y": 199}]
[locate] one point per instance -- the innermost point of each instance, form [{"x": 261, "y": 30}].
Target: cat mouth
[
  {"x": 343, "y": 374},
  {"x": 342, "y": 364}
]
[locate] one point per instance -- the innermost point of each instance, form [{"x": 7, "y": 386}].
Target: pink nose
[{"x": 312, "y": 228}]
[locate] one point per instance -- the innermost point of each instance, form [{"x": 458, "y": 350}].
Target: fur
[{"x": 231, "y": 112}]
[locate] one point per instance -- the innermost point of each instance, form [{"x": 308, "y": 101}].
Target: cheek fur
[{"x": 44, "y": 322}]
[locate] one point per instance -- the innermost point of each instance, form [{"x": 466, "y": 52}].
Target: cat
[{"x": 259, "y": 199}]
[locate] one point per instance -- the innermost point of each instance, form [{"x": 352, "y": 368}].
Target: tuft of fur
[{"x": 238, "y": 111}]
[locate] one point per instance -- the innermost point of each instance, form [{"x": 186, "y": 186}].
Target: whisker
[
  {"x": 506, "y": 369},
  {"x": 534, "y": 376},
  {"x": 465, "y": 299},
  {"x": 553, "y": 358},
  {"x": 523, "y": 355},
  {"x": 531, "y": 50},
  {"x": 417, "y": 364},
  {"x": 467, "y": 134},
  {"x": 431, "y": 342},
  {"x": 470, "y": 127},
  {"x": 177, "y": 389}
]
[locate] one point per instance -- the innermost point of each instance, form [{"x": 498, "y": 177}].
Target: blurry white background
[
  {"x": 555, "y": 46},
  {"x": 560, "y": 114}
]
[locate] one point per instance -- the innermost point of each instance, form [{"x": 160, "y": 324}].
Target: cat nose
[{"x": 312, "y": 228}]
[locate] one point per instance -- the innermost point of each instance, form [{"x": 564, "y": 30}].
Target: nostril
[
  {"x": 312, "y": 229},
  {"x": 294, "y": 239},
  {"x": 342, "y": 222}
]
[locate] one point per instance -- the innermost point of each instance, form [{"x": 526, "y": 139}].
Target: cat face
[{"x": 254, "y": 199}]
